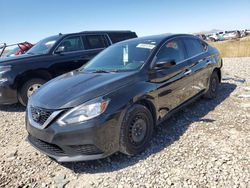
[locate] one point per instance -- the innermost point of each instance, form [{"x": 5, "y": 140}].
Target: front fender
[{"x": 128, "y": 95}]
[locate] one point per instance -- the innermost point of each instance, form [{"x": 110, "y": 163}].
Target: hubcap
[
  {"x": 32, "y": 89},
  {"x": 138, "y": 130}
]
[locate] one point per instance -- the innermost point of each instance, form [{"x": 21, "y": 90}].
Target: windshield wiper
[
  {"x": 100, "y": 71},
  {"x": 104, "y": 71}
]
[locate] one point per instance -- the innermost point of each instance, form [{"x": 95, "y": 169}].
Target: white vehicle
[
  {"x": 247, "y": 31},
  {"x": 243, "y": 33},
  {"x": 216, "y": 37},
  {"x": 231, "y": 35}
]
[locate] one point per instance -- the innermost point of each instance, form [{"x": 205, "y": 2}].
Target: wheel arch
[
  {"x": 41, "y": 74},
  {"x": 150, "y": 106}
]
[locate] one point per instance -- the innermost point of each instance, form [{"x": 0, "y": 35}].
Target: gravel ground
[{"x": 207, "y": 144}]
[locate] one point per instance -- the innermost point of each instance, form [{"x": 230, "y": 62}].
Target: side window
[
  {"x": 204, "y": 46},
  {"x": 172, "y": 50},
  {"x": 96, "y": 41},
  {"x": 193, "y": 46},
  {"x": 71, "y": 44},
  {"x": 117, "y": 37}
]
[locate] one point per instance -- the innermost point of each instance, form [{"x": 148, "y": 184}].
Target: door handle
[{"x": 187, "y": 72}]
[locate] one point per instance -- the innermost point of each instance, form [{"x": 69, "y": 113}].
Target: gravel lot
[{"x": 207, "y": 144}]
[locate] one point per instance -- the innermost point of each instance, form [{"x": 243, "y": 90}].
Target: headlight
[
  {"x": 84, "y": 112},
  {"x": 4, "y": 69}
]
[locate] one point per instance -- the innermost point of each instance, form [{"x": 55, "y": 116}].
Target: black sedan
[{"x": 114, "y": 102}]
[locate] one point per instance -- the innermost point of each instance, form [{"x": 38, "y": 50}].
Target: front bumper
[
  {"x": 94, "y": 139},
  {"x": 7, "y": 94}
]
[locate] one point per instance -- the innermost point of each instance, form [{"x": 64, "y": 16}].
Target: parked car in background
[
  {"x": 21, "y": 76},
  {"x": 243, "y": 33},
  {"x": 247, "y": 31},
  {"x": 232, "y": 35},
  {"x": 114, "y": 102},
  {"x": 215, "y": 37},
  {"x": 14, "y": 49}
]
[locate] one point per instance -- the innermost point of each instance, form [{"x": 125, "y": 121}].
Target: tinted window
[
  {"x": 71, "y": 44},
  {"x": 117, "y": 37},
  {"x": 172, "y": 50},
  {"x": 193, "y": 46},
  {"x": 96, "y": 41},
  {"x": 204, "y": 46}
]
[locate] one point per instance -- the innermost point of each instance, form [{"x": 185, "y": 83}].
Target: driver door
[
  {"x": 69, "y": 55},
  {"x": 173, "y": 83}
]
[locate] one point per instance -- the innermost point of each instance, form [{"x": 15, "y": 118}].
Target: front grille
[
  {"x": 40, "y": 115},
  {"x": 87, "y": 149},
  {"x": 46, "y": 147}
]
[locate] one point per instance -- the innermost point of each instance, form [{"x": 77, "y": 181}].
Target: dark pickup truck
[{"x": 20, "y": 76}]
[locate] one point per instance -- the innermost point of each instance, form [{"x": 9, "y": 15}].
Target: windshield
[
  {"x": 44, "y": 46},
  {"x": 125, "y": 56},
  {"x": 12, "y": 52}
]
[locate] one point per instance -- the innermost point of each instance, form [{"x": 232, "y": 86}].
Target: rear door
[
  {"x": 174, "y": 83},
  {"x": 198, "y": 55}
]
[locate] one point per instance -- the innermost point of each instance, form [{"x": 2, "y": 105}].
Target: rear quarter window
[
  {"x": 194, "y": 47},
  {"x": 117, "y": 37}
]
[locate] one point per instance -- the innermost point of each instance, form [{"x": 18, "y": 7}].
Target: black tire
[
  {"x": 136, "y": 130},
  {"x": 213, "y": 86},
  {"x": 213, "y": 40},
  {"x": 23, "y": 91}
]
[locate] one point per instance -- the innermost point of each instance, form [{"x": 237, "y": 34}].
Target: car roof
[
  {"x": 98, "y": 32},
  {"x": 109, "y": 31},
  {"x": 161, "y": 37}
]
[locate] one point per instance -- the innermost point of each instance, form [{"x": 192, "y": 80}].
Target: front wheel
[
  {"x": 213, "y": 86},
  {"x": 136, "y": 130},
  {"x": 28, "y": 89}
]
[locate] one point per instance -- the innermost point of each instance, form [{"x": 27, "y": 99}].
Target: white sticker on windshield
[
  {"x": 125, "y": 55},
  {"x": 147, "y": 46}
]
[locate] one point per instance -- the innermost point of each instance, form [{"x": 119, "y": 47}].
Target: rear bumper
[
  {"x": 95, "y": 139},
  {"x": 7, "y": 95}
]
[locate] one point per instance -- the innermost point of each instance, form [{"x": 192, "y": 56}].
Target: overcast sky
[{"x": 31, "y": 20}]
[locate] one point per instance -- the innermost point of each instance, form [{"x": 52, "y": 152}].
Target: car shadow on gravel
[
  {"x": 166, "y": 134},
  {"x": 12, "y": 108}
]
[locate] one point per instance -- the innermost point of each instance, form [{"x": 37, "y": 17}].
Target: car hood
[
  {"x": 75, "y": 88},
  {"x": 18, "y": 58}
]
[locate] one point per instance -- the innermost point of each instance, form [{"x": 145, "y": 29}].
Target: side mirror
[
  {"x": 60, "y": 49},
  {"x": 164, "y": 64}
]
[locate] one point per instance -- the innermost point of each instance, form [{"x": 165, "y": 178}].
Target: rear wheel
[
  {"x": 136, "y": 130},
  {"x": 212, "y": 40},
  {"x": 213, "y": 86},
  {"x": 28, "y": 89}
]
